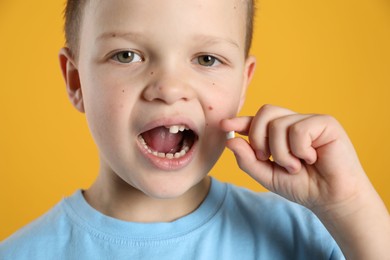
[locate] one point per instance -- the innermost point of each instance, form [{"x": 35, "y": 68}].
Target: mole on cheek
[
  {"x": 151, "y": 73},
  {"x": 210, "y": 108},
  {"x": 123, "y": 91}
]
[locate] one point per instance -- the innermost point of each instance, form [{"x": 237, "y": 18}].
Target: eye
[
  {"x": 208, "y": 61},
  {"x": 127, "y": 57}
]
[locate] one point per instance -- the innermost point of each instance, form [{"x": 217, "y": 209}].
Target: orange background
[{"x": 328, "y": 57}]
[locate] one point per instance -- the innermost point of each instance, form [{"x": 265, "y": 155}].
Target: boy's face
[{"x": 147, "y": 65}]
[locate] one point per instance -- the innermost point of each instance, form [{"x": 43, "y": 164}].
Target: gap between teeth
[
  {"x": 177, "y": 155},
  {"x": 174, "y": 129}
]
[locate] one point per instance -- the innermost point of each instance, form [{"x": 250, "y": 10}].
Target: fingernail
[{"x": 230, "y": 135}]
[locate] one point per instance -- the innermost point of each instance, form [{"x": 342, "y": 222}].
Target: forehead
[{"x": 224, "y": 19}]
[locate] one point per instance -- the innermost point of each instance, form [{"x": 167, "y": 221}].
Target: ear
[
  {"x": 72, "y": 79},
  {"x": 249, "y": 71}
]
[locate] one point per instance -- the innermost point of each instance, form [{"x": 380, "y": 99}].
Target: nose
[{"x": 169, "y": 87}]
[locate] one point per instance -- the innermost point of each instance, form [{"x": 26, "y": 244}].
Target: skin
[
  {"x": 314, "y": 162},
  {"x": 165, "y": 82}
]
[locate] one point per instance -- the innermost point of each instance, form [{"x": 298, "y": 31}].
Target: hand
[
  {"x": 314, "y": 164},
  {"x": 313, "y": 161}
]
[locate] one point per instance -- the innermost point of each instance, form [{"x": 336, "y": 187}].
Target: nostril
[{"x": 168, "y": 90}]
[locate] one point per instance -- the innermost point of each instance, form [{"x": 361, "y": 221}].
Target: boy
[{"x": 160, "y": 83}]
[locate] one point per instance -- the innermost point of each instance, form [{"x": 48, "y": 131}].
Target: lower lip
[{"x": 166, "y": 164}]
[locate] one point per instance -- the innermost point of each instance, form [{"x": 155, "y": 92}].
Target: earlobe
[
  {"x": 72, "y": 79},
  {"x": 249, "y": 70}
]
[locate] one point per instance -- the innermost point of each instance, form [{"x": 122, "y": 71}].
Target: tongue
[{"x": 161, "y": 140}]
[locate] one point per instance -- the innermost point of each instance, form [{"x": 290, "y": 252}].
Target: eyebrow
[
  {"x": 107, "y": 35},
  {"x": 203, "y": 38},
  {"x": 211, "y": 40}
]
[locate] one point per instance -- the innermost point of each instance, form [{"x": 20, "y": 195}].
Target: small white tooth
[
  {"x": 161, "y": 155},
  {"x": 169, "y": 155},
  {"x": 177, "y": 155},
  {"x": 186, "y": 148},
  {"x": 174, "y": 129},
  {"x": 230, "y": 135},
  {"x": 149, "y": 151},
  {"x": 187, "y": 128},
  {"x": 155, "y": 153},
  {"x": 182, "y": 153},
  {"x": 182, "y": 128}
]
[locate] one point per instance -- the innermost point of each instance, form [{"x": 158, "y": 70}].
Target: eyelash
[
  {"x": 214, "y": 60},
  {"x": 130, "y": 54},
  {"x": 135, "y": 58}
]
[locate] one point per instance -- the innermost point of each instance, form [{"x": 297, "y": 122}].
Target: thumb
[
  {"x": 261, "y": 171},
  {"x": 238, "y": 124}
]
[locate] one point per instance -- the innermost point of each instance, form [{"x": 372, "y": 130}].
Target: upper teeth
[{"x": 174, "y": 129}]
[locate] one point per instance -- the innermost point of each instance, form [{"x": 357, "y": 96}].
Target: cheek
[
  {"x": 109, "y": 94},
  {"x": 217, "y": 110},
  {"x": 107, "y": 111},
  {"x": 221, "y": 102}
]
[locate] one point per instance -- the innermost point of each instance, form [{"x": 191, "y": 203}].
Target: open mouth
[{"x": 171, "y": 142}]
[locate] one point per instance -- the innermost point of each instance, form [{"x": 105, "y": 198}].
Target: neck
[{"x": 115, "y": 198}]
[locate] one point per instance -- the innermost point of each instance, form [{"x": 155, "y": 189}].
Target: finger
[
  {"x": 279, "y": 142},
  {"x": 237, "y": 124},
  {"x": 246, "y": 159},
  {"x": 307, "y": 136},
  {"x": 301, "y": 136},
  {"x": 258, "y": 134}
]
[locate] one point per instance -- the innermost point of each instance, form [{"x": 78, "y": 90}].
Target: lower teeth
[{"x": 177, "y": 155}]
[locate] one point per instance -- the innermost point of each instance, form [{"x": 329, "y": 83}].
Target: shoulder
[{"x": 48, "y": 231}]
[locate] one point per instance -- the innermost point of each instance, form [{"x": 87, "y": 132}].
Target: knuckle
[
  {"x": 327, "y": 118},
  {"x": 297, "y": 130},
  {"x": 265, "y": 109},
  {"x": 276, "y": 124},
  {"x": 331, "y": 120}
]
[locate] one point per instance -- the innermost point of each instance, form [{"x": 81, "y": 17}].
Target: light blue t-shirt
[{"x": 232, "y": 223}]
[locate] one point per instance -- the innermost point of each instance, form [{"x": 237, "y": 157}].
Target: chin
[{"x": 169, "y": 187}]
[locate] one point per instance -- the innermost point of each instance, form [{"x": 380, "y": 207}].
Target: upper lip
[{"x": 170, "y": 121}]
